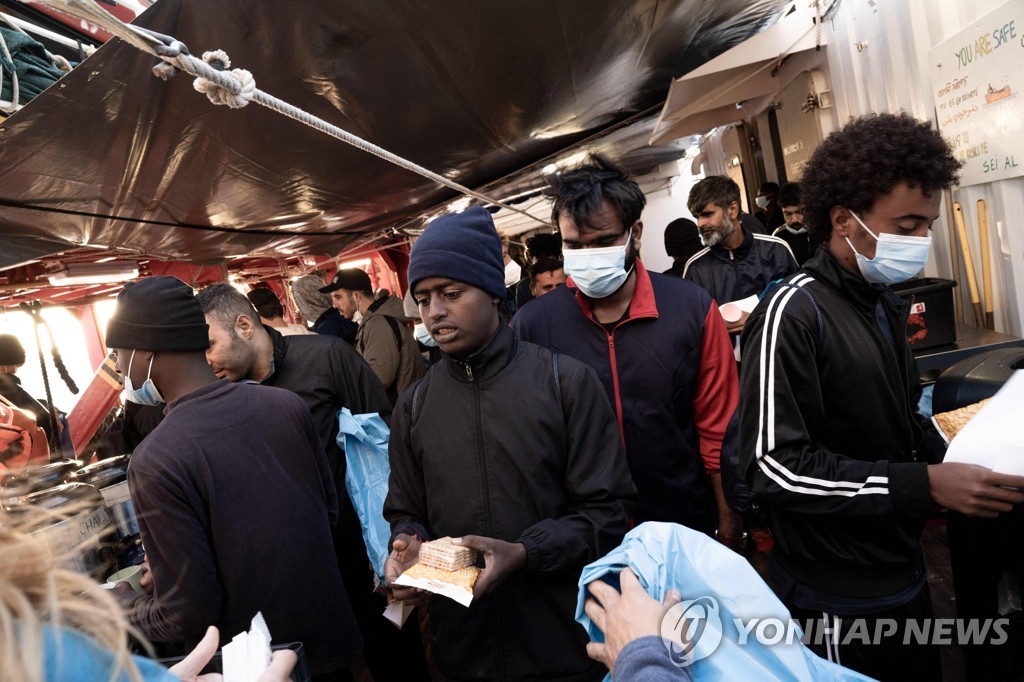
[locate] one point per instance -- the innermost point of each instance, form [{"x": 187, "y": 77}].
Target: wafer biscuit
[
  {"x": 444, "y": 555},
  {"x": 950, "y": 423}
]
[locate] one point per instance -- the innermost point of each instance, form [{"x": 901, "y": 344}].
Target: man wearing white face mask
[
  {"x": 428, "y": 347},
  {"x": 657, "y": 342},
  {"x": 831, "y": 442},
  {"x": 794, "y": 232},
  {"x": 768, "y": 207}
]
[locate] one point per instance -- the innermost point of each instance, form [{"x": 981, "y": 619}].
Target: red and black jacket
[{"x": 669, "y": 372}]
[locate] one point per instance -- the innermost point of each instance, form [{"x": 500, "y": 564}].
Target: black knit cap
[
  {"x": 11, "y": 350},
  {"x": 464, "y": 247},
  {"x": 158, "y": 314}
]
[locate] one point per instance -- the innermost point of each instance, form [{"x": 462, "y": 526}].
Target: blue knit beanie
[{"x": 464, "y": 247}]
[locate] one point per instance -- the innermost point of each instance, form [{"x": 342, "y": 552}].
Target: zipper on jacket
[
  {"x": 479, "y": 437},
  {"x": 486, "y": 488},
  {"x": 904, "y": 371},
  {"x": 615, "y": 386}
]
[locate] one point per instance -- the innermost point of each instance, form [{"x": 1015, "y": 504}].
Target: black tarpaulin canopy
[{"x": 481, "y": 92}]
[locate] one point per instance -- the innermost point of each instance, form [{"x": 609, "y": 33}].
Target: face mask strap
[
  {"x": 861, "y": 222},
  {"x": 149, "y": 372},
  {"x": 636, "y": 253}
]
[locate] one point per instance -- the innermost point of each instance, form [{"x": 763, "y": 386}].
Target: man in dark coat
[
  {"x": 737, "y": 263},
  {"x": 328, "y": 374},
  {"x": 657, "y": 343},
  {"x": 232, "y": 491},
  {"x": 793, "y": 231},
  {"x": 539, "y": 496}
]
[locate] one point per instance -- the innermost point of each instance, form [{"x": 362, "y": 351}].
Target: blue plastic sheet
[
  {"x": 667, "y": 555},
  {"x": 365, "y": 439}
]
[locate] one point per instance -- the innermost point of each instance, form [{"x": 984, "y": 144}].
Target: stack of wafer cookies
[
  {"x": 444, "y": 562},
  {"x": 446, "y": 556}
]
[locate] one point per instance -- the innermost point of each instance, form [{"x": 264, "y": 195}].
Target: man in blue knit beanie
[{"x": 538, "y": 496}]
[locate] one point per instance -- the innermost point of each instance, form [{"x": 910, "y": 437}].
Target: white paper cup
[
  {"x": 731, "y": 312},
  {"x": 131, "y": 575}
]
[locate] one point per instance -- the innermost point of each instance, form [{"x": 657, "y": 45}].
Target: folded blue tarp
[{"x": 722, "y": 594}]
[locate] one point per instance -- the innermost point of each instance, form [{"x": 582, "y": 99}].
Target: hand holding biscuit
[
  {"x": 500, "y": 559},
  {"x": 405, "y": 553}
]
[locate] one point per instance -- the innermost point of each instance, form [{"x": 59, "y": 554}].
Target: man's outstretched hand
[
  {"x": 974, "y": 490},
  {"x": 624, "y": 617}
]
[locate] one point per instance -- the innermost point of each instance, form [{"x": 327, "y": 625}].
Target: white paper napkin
[{"x": 247, "y": 655}]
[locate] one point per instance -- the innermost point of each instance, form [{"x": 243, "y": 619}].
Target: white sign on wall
[{"x": 978, "y": 87}]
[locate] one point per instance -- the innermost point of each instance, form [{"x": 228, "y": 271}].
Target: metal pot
[
  {"x": 16, "y": 485},
  {"x": 103, "y": 473},
  {"x": 110, "y": 476}
]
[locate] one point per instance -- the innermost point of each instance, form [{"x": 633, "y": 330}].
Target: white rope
[
  {"x": 237, "y": 87},
  {"x": 222, "y": 95},
  {"x": 817, "y": 24},
  {"x": 55, "y": 59},
  {"x": 30, "y": 28}
]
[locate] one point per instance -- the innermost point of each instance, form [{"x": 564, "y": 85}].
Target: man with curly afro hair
[{"x": 831, "y": 441}]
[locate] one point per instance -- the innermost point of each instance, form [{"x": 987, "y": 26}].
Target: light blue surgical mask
[
  {"x": 897, "y": 257},
  {"x": 147, "y": 395},
  {"x": 600, "y": 272},
  {"x": 423, "y": 336}
]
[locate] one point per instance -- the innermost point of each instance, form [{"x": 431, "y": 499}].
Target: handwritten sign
[{"x": 978, "y": 88}]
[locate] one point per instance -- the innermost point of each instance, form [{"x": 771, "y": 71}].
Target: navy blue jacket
[{"x": 670, "y": 375}]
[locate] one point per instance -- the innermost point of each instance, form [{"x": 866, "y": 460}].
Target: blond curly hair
[{"x": 35, "y": 591}]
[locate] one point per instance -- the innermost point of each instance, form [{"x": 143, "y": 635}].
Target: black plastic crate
[
  {"x": 300, "y": 673},
  {"x": 932, "y": 318}
]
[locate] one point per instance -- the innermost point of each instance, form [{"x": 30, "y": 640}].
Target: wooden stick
[
  {"x": 965, "y": 247},
  {"x": 954, "y": 247},
  {"x": 986, "y": 263}
]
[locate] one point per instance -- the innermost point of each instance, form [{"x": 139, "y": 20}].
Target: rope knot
[{"x": 234, "y": 88}]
